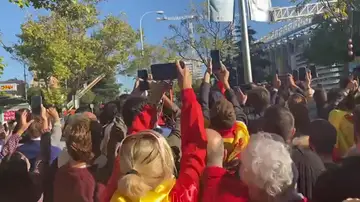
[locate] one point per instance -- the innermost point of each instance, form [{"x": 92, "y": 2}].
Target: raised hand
[
  {"x": 184, "y": 76},
  {"x": 276, "y": 82}
]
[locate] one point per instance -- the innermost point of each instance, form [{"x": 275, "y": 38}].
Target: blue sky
[{"x": 11, "y": 17}]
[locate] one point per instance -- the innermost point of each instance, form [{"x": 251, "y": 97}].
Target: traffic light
[{"x": 350, "y": 49}]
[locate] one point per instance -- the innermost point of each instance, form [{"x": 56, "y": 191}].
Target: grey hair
[{"x": 267, "y": 164}]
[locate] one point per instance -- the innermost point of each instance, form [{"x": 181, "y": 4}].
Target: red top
[
  {"x": 221, "y": 186},
  {"x": 193, "y": 147},
  {"x": 144, "y": 120},
  {"x": 221, "y": 87},
  {"x": 75, "y": 185}
]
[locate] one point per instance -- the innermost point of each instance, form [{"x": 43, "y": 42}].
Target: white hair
[{"x": 267, "y": 164}]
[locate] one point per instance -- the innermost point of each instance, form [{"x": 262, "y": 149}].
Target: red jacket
[
  {"x": 193, "y": 146},
  {"x": 220, "y": 185}
]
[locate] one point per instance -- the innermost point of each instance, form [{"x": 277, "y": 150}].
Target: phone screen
[
  {"x": 302, "y": 74},
  {"x": 295, "y": 74},
  {"x": 215, "y": 59},
  {"x": 144, "y": 85},
  {"x": 36, "y": 102},
  {"x": 142, "y": 74},
  {"x": 313, "y": 71},
  {"x": 162, "y": 72}
]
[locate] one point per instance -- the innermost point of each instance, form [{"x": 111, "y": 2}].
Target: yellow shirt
[{"x": 159, "y": 194}]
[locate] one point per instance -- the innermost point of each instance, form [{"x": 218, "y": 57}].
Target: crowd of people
[{"x": 221, "y": 144}]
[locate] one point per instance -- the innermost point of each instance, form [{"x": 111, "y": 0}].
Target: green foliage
[
  {"x": 33, "y": 91},
  {"x": 61, "y": 46},
  {"x": 177, "y": 92},
  {"x": 151, "y": 55},
  {"x": 88, "y": 98},
  {"x": 2, "y": 65},
  {"x": 106, "y": 90},
  {"x": 329, "y": 43},
  {"x": 49, "y": 4},
  {"x": 207, "y": 36},
  {"x": 54, "y": 96}
]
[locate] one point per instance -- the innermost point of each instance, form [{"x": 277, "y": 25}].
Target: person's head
[
  {"x": 79, "y": 139},
  {"x": 339, "y": 183},
  {"x": 322, "y": 137},
  {"x": 146, "y": 160},
  {"x": 320, "y": 97},
  {"x": 222, "y": 114},
  {"x": 215, "y": 148},
  {"x": 120, "y": 101},
  {"x": 279, "y": 120},
  {"x": 132, "y": 107},
  {"x": 18, "y": 118},
  {"x": 259, "y": 98},
  {"x": 296, "y": 99},
  {"x": 15, "y": 164},
  {"x": 108, "y": 113},
  {"x": 266, "y": 168},
  {"x": 300, "y": 113},
  {"x": 35, "y": 129}
]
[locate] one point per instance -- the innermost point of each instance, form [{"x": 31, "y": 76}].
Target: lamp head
[{"x": 160, "y": 12}]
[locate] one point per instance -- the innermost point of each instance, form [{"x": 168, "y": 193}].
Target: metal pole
[
  {"x": 26, "y": 95},
  {"x": 141, "y": 36},
  {"x": 245, "y": 43}
]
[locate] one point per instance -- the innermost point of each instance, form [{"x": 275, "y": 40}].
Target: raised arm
[
  {"x": 193, "y": 141},
  {"x": 205, "y": 92}
]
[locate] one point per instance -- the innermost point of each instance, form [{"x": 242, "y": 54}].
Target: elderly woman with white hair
[{"x": 268, "y": 170}]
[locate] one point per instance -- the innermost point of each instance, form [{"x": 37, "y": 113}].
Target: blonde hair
[{"x": 146, "y": 160}]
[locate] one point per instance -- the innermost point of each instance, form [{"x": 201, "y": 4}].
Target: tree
[
  {"x": 207, "y": 36},
  {"x": 329, "y": 42},
  {"x": 152, "y": 54},
  {"x": 47, "y": 4},
  {"x": 60, "y": 46},
  {"x": 2, "y": 65},
  {"x": 88, "y": 98},
  {"x": 214, "y": 35},
  {"x": 106, "y": 90}
]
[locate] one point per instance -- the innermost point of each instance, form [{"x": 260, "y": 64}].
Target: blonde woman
[{"x": 145, "y": 165}]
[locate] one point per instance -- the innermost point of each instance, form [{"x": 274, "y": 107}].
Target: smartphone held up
[
  {"x": 215, "y": 59},
  {"x": 164, "y": 72}
]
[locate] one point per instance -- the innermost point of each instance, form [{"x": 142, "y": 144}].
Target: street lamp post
[{"x": 141, "y": 32}]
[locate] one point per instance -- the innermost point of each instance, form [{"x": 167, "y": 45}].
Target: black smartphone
[
  {"x": 295, "y": 74},
  {"x": 302, "y": 73},
  {"x": 144, "y": 85},
  {"x": 142, "y": 74},
  {"x": 215, "y": 59},
  {"x": 36, "y": 102},
  {"x": 167, "y": 71},
  {"x": 314, "y": 73}
]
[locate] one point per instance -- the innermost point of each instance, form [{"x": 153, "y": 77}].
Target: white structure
[{"x": 285, "y": 46}]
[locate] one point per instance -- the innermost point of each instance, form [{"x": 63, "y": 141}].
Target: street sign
[
  {"x": 8, "y": 87},
  {"x": 9, "y": 115}
]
